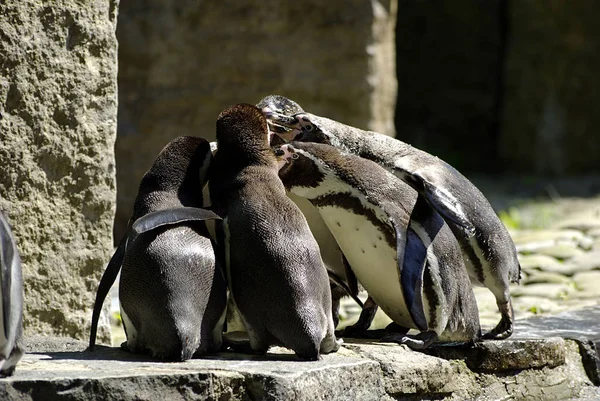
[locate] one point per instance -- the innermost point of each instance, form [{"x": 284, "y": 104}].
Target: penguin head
[
  {"x": 282, "y": 109},
  {"x": 243, "y": 134},
  {"x": 303, "y": 127},
  {"x": 297, "y": 167},
  {"x": 179, "y": 171},
  {"x": 312, "y": 130},
  {"x": 279, "y": 104}
]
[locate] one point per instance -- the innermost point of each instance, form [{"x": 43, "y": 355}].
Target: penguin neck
[
  {"x": 338, "y": 135},
  {"x": 231, "y": 163},
  {"x": 371, "y": 145},
  {"x": 382, "y": 149}
]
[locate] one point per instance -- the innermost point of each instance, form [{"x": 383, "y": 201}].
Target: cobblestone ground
[{"x": 558, "y": 240}]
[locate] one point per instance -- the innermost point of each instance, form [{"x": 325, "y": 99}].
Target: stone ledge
[
  {"x": 58, "y": 368},
  {"x": 548, "y": 358}
]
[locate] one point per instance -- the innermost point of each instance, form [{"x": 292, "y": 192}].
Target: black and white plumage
[
  {"x": 172, "y": 291},
  {"x": 274, "y": 270},
  {"x": 400, "y": 250},
  {"x": 11, "y": 292},
  {"x": 488, "y": 250}
]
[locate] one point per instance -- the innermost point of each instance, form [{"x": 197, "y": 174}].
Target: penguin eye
[
  {"x": 307, "y": 128},
  {"x": 295, "y": 155}
]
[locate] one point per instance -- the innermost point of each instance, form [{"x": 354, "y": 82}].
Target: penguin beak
[
  {"x": 286, "y": 127},
  {"x": 280, "y": 120},
  {"x": 282, "y": 155}
]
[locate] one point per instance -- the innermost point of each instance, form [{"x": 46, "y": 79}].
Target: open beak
[{"x": 280, "y": 120}]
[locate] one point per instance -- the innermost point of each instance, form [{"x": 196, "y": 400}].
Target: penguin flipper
[
  {"x": 411, "y": 255},
  {"x": 171, "y": 216},
  {"x": 411, "y": 272},
  {"x": 10, "y": 264},
  {"x": 350, "y": 276},
  {"x": 447, "y": 206},
  {"x": 440, "y": 199},
  {"x": 337, "y": 280},
  {"x": 106, "y": 282}
]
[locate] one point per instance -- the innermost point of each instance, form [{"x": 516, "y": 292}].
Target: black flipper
[
  {"x": 342, "y": 284},
  {"x": 172, "y": 216},
  {"x": 425, "y": 219},
  {"x": 411, "y": 257},
  {"x": 350, "y": 276},
  {"x": 106, "y": 282},
  {"x": 9, "y": 260},
  {"x": 219, "y": 248},
  {"x": 441, "y": 200},
  {"x": 411, "y": 277}
]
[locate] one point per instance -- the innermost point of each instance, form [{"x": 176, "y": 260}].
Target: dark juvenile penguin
[
  {"x": 345, "y": 283},
  {"x": 12, "y": 301},
  {"x": 400, "y": 250},
  {"x": 488, "y": 250},
  {"x": 172, "y": 292},
  {"x": 274, "y": 270}
]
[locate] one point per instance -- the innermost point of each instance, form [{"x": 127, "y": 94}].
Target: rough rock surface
[
  {"x": 360, "y": 370},
  {"x": 58, "y": 107},
  {"x": 182, "y": 62}
]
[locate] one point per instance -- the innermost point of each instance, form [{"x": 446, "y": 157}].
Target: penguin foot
[
  {"x": 360, "y": 328},
  {"x": 330, "y": 344},
  {"x": 125, "y": 347},
  {"x": 504, "y": 329},
  {"x": 8, "y": 365},
  {"x": 418, "y": 342}
]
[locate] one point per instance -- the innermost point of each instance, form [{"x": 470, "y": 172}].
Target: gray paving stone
[
  {"x": 545, "y": 277},
  {"x": 539, "y": 262},
  {"x": 551, "y": 291},
  {"x": 581, "y": 223},
  {"x": 586, "y": 243},
  {"x": 561, "y": 251},
  {"x": 588, "y": 282},
  {"x": 536, "y": 305},
  {"x": 544, "y": 236}
]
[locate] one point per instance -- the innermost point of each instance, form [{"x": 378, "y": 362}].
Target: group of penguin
[{"x": 300, "y": 211}]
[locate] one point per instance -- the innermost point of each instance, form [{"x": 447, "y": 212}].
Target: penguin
[
  {"x": 400, "y": 249},
  {"x": 172, "y": 291},
  {"x": 342, "y": 280},
  {"x": 12, "y": 301},
  {"x": 274, "y": 269},
  {"x": 488, "y": 250}
]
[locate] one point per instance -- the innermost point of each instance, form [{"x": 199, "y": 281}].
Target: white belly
[
  {"x": 372, "y": 260},
  {"x": 330, "y": 251}
]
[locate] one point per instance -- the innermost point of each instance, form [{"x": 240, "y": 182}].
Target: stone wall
[
  {"x": 501, "y": 86},
  {"x": 182, "y": 62},
  {"x": 449, "y": 61},
  {"x": 550, "y": 122},
  {"x": 58, "y": 107}
]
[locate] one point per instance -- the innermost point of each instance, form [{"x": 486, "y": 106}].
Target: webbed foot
[
  {"x": 418, "y": 342},
  {"x": 504, "y": 328},
  {"x": 360, "y": 328}
]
